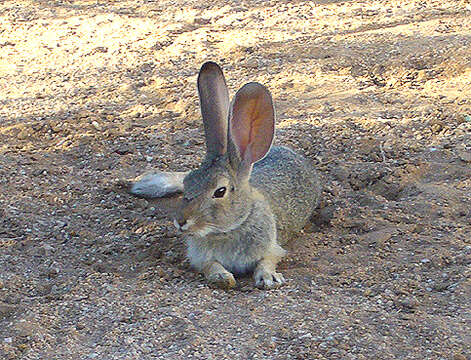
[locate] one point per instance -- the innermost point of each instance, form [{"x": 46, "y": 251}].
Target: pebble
[
  {"x": 465, "y": 155},
  {"x": 251, "y": 63},
  {"x": 6, "y": 310},
  {"x": 96, "y": 125},
  {"x": 23, "y": 134},
  {"x": 123, "y": 150},
  {"x": 409, "y": 303}
]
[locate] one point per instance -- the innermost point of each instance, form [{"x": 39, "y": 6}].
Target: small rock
[
  {"x": 421, "y": 75},
  {"x": 408, "y": 303},
  {"x": 251, "y": 63},
  {"x": 22, "y": 347},
  {"x": 201, "y": 21},
  {"x": 322, "y": 217},
  {"x": 418, "y": 228},
  {"x": 96, "y": 125},
  {"x": 390, "y": 191},
  {"x": 123, "y": 150},
  {"x": 48, "y": 248},
  {"x": 340, "y": 173},
  {"x": 23, "y": 134},
  {"x": 6, "y": 310},
  {"x": 436, "y": 128},
  {"x": 465, "y": 155},
  {"x": 44, "y": 288},
  {"x": 39, "y": 172},
  {"x": 100, "y": 49},
  {"x": 441, "y": 286},
  {"x": 379, "y": 237},
  {"x": 53, "y": 272},
  {"x": 407, "y": 316}
]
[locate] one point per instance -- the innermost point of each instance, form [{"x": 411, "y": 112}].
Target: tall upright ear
[
  {"x": 251, "y": 125},
  {"x": 214, "y": 103}
]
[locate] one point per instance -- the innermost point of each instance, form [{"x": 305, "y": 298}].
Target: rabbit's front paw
[
  {"x": 269, "y": 280},
  {"x": 223, "y": 280},
  {"x": 218, "y": 276}
]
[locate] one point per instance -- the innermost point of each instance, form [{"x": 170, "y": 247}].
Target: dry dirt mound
[{"x": 377, "y": 94}]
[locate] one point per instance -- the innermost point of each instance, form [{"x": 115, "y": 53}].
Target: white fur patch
[
  {"x": 189, "y": 223},
  {"x": 176, "y": 224},
  {"x": 204, "y": 231}
]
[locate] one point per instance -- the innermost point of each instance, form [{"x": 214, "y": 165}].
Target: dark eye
[{"x": 219, "y": 193}]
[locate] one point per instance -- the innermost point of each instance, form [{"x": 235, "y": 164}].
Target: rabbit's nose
[{"x": 179, "y": 223}]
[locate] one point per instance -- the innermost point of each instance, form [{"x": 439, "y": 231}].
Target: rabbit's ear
[
  {"x": 214, "y": 103},
  {"x": 251, "y": 126}
]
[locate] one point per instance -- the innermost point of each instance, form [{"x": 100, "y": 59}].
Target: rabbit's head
[{"x": 217, "y": 196}]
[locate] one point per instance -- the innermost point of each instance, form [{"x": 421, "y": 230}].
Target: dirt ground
[{"x": 376, "y": 93}]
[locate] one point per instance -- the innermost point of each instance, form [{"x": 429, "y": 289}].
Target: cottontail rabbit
[{"x": 247, "y": 198}]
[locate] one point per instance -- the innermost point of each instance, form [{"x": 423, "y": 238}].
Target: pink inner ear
[{"x": 253, "y": 121}]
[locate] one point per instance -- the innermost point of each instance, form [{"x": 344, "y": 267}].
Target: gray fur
[
  {"x": 291, "y": 185},
  {"x": 264, "y": 203}
]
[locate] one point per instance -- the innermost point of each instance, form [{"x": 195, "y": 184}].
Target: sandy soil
[{"x": 376, "y": 93}]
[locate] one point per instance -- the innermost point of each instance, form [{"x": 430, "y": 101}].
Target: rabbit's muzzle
[
  {"x": 183, "y": 225},
  {"x": 184, "y": 219},
  {"x": 181, "y": 222}
]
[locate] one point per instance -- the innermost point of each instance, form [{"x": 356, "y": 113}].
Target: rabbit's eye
[{"x": 219, "y": 193}]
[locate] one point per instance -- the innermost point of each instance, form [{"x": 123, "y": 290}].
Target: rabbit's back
[{"x": 291, "y": 185}]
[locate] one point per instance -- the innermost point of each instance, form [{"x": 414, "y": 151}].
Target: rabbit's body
[
  {"x": 284, "y": 190},
  {"x": 290, "y": 184},
  {"x": 246, "y": 199}
]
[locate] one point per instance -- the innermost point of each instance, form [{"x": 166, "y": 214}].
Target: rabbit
[{"x": 247, "y": 198}]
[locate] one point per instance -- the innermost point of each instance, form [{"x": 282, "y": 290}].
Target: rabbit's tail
[{"x": 157, "y": 184}]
